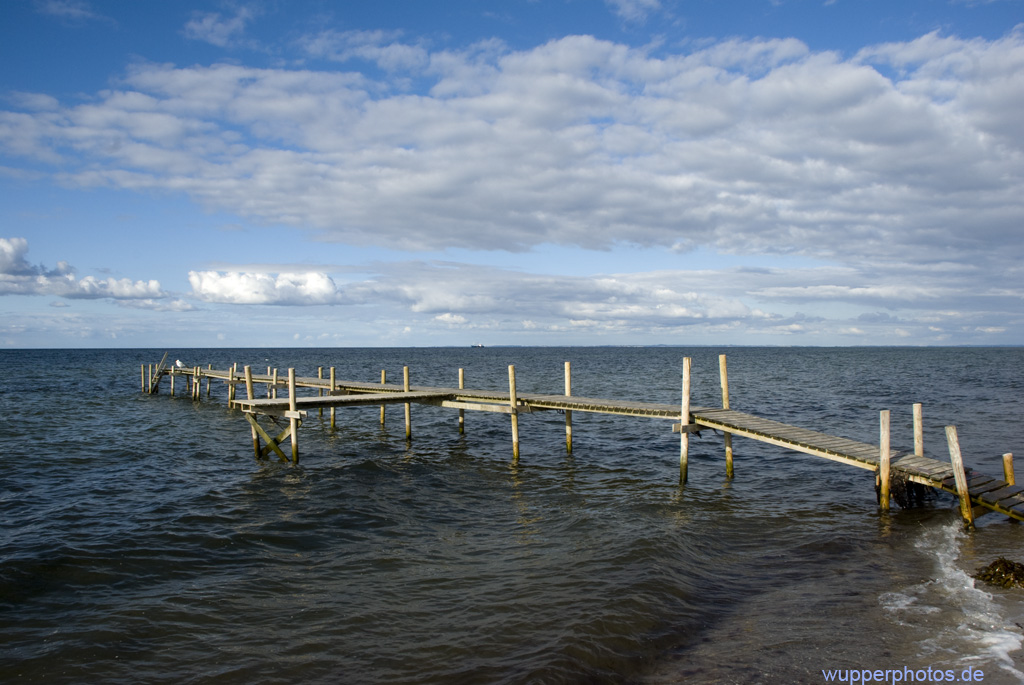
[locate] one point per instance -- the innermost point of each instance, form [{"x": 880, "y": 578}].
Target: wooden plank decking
[{"x": 986, "y": 492}]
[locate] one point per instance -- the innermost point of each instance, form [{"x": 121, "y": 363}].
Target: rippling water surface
[{"x": 142, "y": 542}]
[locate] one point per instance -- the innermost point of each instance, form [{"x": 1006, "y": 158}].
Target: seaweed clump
[
  {"x": 904, "y": 491},
  {"x": 1002, "y": 572}
]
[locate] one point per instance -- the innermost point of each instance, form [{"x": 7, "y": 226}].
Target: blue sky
[{"x": 549, "y": 172}]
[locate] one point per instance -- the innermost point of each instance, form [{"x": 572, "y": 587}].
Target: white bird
[{"x": 180, "y": 364}]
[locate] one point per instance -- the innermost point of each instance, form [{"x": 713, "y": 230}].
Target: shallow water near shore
[{"x": 143, "y": 542}]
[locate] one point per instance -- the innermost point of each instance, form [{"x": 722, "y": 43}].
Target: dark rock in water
[{"x": 1002, "y": 572}]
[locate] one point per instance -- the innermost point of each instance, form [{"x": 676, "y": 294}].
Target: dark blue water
[{"x": 140, "y": 541}]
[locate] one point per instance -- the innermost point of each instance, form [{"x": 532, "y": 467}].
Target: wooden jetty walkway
[{"x": 978, "y": 494}]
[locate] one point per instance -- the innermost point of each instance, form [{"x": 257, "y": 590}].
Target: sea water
[{"x": 142, "y": 541}]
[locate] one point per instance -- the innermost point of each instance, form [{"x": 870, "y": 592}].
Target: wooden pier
[{"x": 978, "y": 494}]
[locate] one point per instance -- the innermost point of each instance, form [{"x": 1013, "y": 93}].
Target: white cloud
[
  {"x": 18, "y": 277},
  {"x": 216, "y": 29},
  {"x": 635, "y": 11},
  {"x": 816, "y": 303},
  {"x": 159, "y": 305},
  {"x": 382, "y": 48},
  {"x": 755, "y": 146},
  {"x": 901, "y": 167},
  {"x": 258, "y": 288},
  {"x": 69, "y": 10},
  {"x": 451, "y": 319}
]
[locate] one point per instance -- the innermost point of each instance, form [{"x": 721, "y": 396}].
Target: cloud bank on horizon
[{"x": 368, "y": 184}]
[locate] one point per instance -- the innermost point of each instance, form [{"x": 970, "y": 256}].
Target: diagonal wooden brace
[{"x": 272, "y": 443}]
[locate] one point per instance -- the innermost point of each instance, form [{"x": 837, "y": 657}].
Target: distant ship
[{"x": 477, "y": 345}]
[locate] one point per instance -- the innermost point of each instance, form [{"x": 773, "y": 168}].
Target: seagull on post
[{"x": 180, "y": 364}]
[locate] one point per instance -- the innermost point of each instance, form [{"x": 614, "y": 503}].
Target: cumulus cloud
[
  {"x": 909, "y": 150},
  {"x": 19, "y": 277},
  {"x": 902, "y": 167},
  {"x": 308, "y": 288},
  {"x": 468, "y": 296},
  {"x": 804, "y": 302}
]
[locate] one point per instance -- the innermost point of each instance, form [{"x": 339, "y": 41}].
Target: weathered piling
[
  {"x": 252, "y": 395},
  {"x": 976, "y": 494},
  {"x": 293, "y": 420},
  {"x": 408, "y": 406},
  {"x": 320, "y": 391},
  {"x": 883, "y": 460},
  {"x": 232, "y": 373},
  {"x": 684, "y": 419},
  {"x": 514, "y": 413},
  {"x": 961, "y": 477},
  {"x": 568, "y": 412},
  {"x": 918, "y": 430},
  {"x": 462, "y": 412},
  {"x": 727, "y": 437},
  {"x": 334, "y": 386}
]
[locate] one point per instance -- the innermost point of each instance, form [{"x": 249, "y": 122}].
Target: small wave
[{"x": 950, "y": 614}]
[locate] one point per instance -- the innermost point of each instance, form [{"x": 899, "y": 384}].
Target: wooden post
[
  {"x": 1008, "y": 469},
  {"x": 568, "y": 412},
  {"x": 724, "y": 374},
  {"x": 173, "y": 374},
  {"x": 273, "y": 380},
  {"x": 149, "y": 380},
  {"x": 320, "y": 391},
  {"x": 249, "y": 391},
  {"x": 515, "y": 416},
  {"x": 334, "y": 387},
  {"x": 462, "y": 412},
  {"x": 883, "y": 460},
  {"x": 918, "y": 430},
  {"x": 208, "y": 368},
  {"x": 232, "y": 373},
  {"x": 143, "y": 378},
  {"x": 684, "y": 434},
  {"x": 293, "y": 420},
  {"x": 256, "y": 447},
  {"x": 197, "y": 384},
  {"x": 408, "y": 407},
  {"x": 270, "y": 385},
  {"x": 961, "y": 477},
  {"x": 383, "y": 380}
]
